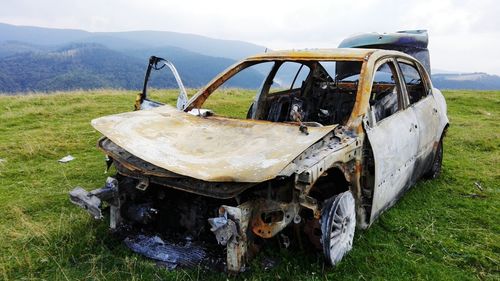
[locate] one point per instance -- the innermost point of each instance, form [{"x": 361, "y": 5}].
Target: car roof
[{"x": 323, "y": 54}]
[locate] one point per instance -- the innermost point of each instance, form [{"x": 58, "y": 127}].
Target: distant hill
[
  {"x": 10, "y": 48},
  {"x": 39, "y": 36},
  {"x": 90, "y": 65},
  {"x": 473, "y": 81},
  {"x": 47, "y": 59},
  {"x": 232, "y": 49}
]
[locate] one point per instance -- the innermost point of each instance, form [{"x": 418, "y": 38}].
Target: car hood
[{"x": 208, "y": 148}]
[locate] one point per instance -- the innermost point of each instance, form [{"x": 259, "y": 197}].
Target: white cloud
[{"x": 464, "y": 34}]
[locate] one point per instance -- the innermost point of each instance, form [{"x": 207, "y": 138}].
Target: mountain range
[{"x": 48, "y": 59}]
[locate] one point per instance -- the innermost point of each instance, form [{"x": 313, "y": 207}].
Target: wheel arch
[{"x": 331, "y": 182}]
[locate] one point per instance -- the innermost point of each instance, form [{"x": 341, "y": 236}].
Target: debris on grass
[
  {"x": 169, "y": 254},
  {"x": 66, "y": 159},
  {"x": 474, "y": 195},
  {"x": 269, "y": 263},
  {"x": 478, "y": 185}
]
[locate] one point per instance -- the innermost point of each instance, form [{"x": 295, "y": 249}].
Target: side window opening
[
  {"x": 385, "y": 99},
  {"x": 290, "y": 76},
  {"x": 330, "y": 68},
  {"x": 413, "y": 82}
]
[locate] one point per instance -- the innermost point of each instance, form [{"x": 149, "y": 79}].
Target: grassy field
[{"x": 446, "y": 229}]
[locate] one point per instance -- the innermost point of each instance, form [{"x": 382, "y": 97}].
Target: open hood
[{"x": 208, "y": 148}]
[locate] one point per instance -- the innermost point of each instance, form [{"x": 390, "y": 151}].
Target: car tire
[
  {"x": 338, "y": 222},
  {"x": 435, "y": 169},
  {"x": 250, "y": 111}
]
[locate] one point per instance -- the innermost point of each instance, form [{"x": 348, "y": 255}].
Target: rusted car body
[{"x": 324, "y": 157}]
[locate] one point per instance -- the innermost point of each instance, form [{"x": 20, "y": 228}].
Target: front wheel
[{"x": 338, "y": 222}]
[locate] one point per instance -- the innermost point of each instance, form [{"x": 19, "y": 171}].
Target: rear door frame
[{"x": 426, "y": 112}]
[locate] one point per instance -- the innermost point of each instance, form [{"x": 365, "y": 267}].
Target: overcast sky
[{"x": 464, "y": 35}]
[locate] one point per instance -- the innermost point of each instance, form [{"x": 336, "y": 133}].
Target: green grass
[{"x": 446, "y": 229}]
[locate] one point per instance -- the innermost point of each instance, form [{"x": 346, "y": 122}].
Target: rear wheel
[
  {"x": 338, "y": 222},
  {"x": 435, "y": 169}
]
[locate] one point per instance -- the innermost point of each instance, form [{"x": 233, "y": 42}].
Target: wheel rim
[{"x": 338, "y": 227}]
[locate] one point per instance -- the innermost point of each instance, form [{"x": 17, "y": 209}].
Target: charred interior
[
  {"x": 321, "y": 98},
  {"x": 166, "y": 211}
]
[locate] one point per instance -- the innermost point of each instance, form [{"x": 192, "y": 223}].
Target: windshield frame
[{"x": 197, "y": 101}]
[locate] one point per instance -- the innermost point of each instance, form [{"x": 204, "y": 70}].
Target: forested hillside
[{"x": 91, "y": 66}]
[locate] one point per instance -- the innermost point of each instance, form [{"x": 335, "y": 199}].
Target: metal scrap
[
  {"x": 170, "y": 254},
  {"x": 223, "y": 228},
  {"x": 91, "y": 201}
]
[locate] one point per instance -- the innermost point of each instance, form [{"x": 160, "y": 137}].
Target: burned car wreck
[{"x": 324, "y": 151}]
